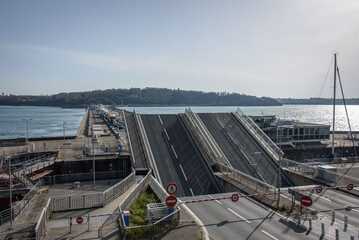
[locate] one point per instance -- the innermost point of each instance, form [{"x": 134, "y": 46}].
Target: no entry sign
[
  {"x": 79, "y": 220},
  {"x": 306, "y": 201},
  {"x": 171, "y": 201}
]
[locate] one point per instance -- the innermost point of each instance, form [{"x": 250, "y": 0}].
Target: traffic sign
[
  {"x": 171, "y": 201},
  {"x": 79, "y": 220},
  {"x": 350, "y": 186},
  {"x": 306, "y": 201},
  {"x": 319, "y": 189},
  {"x": 171, "y": 188},
  {"x": 235, "y": 197}
]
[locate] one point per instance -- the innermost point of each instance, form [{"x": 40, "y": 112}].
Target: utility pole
[
  {"x": 64, "y": 132},
  {"x": 334, "y": 96}
]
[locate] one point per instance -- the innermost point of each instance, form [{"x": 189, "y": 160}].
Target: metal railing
[
  {"x": 135, "y": 193},
  {"x": 19, "y": 207},
  {"x": 91, "y": 200},
  {"x": 318, "y": 172},
  {"x": 154, "y": 230},
  {"x": 263, "y": 139},
  {"x": 70, "y": 178},
  {"x": 244, "y": 179},
  {"x": 147, "y": 146},
  {"x": 42, "y": 221},
  {"x": 209, "y": 146}
]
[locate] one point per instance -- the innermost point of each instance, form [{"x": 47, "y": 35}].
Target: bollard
[
  {"x": 336, "y": 234},
  {"x": 298, "y": 217},
  {"x": 323, "y": 229},
  {"x": 310, "y": 224},
  {"x": 345, "y": 221},
  {"x": 351, "y": 237},
  {"x": 333, "y": 215}
]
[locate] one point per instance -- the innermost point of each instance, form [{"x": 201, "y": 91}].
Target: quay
[{"x": 116, "y": 155}]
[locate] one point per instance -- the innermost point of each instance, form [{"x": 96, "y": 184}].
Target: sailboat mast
[{"x": 334, "y": 96}]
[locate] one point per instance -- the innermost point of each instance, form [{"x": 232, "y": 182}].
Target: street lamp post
[
  {"x": 27, "y": 127},
  {"x": 64, "y": 132},
  {"x": 93, "y": 164},
  {"x": 10, "y": 191}
]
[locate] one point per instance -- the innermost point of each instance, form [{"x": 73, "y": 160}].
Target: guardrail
[
  {"x": 245, "y": 179},
  {"x": 147, "y": 147},
  {"x": 264, "y": 140},
  {"x": 209, "y": 146},
  {"x": 19, "y": 207},
  {"x": 318, "y": 172},
  {"x": 132, "y": 155}
]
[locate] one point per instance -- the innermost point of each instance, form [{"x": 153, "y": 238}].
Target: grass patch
[{"x": 138, "y": 210}]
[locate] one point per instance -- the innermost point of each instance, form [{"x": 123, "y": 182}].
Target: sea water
[
  {"x": 52, "y": 121},
  {"x": 45, "y": 121}
]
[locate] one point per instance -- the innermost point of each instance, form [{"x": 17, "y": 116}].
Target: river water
[{"x": 49, "y": 121}]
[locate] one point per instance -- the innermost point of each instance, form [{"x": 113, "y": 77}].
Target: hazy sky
[{"x": 274, "y": 48}]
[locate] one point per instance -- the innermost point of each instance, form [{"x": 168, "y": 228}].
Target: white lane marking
[
  {"x": 191, "y": 191},
  {"x": 355, "y": 210},
  {"x": 185, "y": 177},
  {"x": 215, "y": 200},
  {"x": 166, "y": 134},
  {"x": 174, "y": 151},
  {"x": 232, "y": 138},
  {"x": 199, "y": 222},
  {"x": 269, "y": 235},
  {"x": 238, "y": 215},
  {"x": 160, "y": 119},
  {"x": 220, "y": 123},
  {"x": 321, "y": 197}
]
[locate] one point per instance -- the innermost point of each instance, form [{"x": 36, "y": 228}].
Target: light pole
[
  {"x": 93, "y": 164},
  {"x": 10, "y": 191},
  {"x": 27, "y": 127},
  {"x": 64, "y": 132}
]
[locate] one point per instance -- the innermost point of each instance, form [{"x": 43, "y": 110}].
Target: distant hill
[
  {"x": 140, "y": 97},
  {"x": 317, "y": 101}
]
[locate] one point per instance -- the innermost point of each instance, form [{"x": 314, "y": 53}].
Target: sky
[{"x": 272, "y": 48}]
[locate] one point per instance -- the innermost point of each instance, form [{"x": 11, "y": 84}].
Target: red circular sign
[
  {"x": 171, "y": 201},
  {"x": 319, "y": 189},
  {"x": 235, "y": 197},
  {"x": 79, "y": 220},
  {"x": 171, "y": 188},
  {"x": 306, "y": 201},
  {"x": 350, "y": 186}
]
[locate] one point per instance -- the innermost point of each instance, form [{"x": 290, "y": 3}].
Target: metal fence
[
  {"x": 249, "y": 181},
  {"x": 43, "y": 219},
  {"x": 19, "y": 206},
  {"x": 71, "y": 178},
  {"x": 208, "y": 145},
  {"x": 319, "y": 173},
  {"x": 91, "y": 200},
  {"x": 154, "y": 230},
  {"x": 265, "y": 141}
]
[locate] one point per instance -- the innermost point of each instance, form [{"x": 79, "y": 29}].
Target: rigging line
[
  {"x": 325, "y": 80},
  {"x": 346, "y": 111}
]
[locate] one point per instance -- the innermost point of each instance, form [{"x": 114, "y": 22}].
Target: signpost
[
  {"x": 171, "y": 201},
  {"x": 171, "y": 188}
]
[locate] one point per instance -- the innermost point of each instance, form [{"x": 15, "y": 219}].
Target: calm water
[
  {"x": 305, "y": 113},
  {"x": 48, "y": 121}
]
